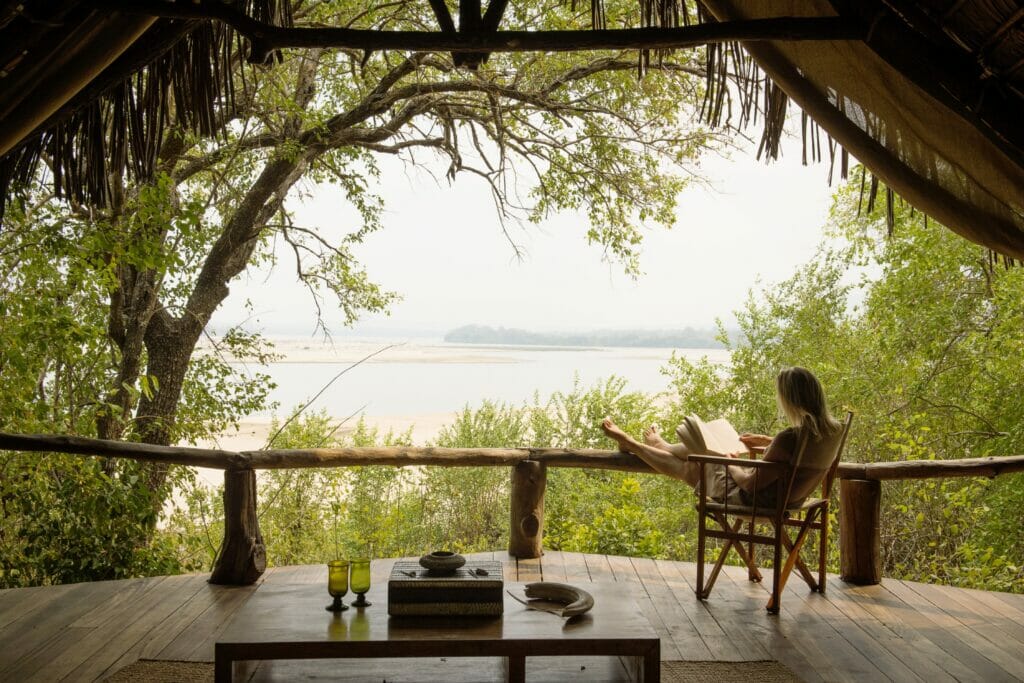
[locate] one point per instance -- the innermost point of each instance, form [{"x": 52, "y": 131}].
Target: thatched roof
[{"x": 929, "y": 94}]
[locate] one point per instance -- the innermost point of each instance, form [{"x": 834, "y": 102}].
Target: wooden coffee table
[{"x": 290, "y": 622}]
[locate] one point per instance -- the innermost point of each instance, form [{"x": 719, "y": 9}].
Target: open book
[{"x": 717, "y": 437}]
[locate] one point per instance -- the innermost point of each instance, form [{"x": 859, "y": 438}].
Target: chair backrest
[
  {"x": 793, "y": 469},
  {"x": 830, "y": 473},
  {"x": 830, "y": 477}
]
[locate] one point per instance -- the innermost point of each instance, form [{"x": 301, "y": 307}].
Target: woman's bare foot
[
  {"x": 652, "y": 437},
  {"x": 613, "y": 432}
]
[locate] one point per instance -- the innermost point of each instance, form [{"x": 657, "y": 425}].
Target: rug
[
  {"x": 766, "y": 671},
  {"x": 166, "y": 671}
]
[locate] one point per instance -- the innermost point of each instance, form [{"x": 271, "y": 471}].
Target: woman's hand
[{"x": 755, "y": 440}]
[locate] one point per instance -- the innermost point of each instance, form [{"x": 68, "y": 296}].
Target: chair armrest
[{"x": 737, "y": 462}]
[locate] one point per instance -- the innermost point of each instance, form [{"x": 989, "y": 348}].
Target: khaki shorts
[{"x": 720, "y": 486}]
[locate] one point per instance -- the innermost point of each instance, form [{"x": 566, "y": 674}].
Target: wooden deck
[{"x": 898, "y": 631}]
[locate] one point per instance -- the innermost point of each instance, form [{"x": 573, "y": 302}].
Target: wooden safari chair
[{"x": 812, "y": 514}]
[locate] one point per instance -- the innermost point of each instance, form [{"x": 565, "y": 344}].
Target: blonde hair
[{"x": 802, "y": 401}]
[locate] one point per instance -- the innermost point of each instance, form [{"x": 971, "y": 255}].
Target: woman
[{"x": 802, "y": 401}]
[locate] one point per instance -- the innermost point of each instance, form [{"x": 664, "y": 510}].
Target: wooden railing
[{"x": 242, "y": 556}]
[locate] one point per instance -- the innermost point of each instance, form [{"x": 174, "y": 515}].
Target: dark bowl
[{"x": 442, "y": 562}]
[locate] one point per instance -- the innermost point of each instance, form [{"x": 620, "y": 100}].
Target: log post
[
  {"x": 526, "y": 533},
  {"x": 860, "y": 555},
  {"x": 242, "y": 557}
]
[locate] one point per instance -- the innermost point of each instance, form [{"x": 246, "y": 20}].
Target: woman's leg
[
  {"x": 662, "y": 460},
  {"x": 653, "y": 437}
]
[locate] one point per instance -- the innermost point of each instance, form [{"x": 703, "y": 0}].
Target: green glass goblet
[
  {"x": 360, "y": 581},
  {"x": 337, "y": 584}
]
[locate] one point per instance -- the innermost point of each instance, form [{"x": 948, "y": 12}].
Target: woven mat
[
  {"x": 165, "y": 671},
  {"x": 727, "y": 672}
]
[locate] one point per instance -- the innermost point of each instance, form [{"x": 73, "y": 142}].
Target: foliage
[{"x": 66, "y": 519}]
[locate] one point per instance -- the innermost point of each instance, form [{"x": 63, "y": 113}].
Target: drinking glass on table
[
  {"x": 360, "y": 581},
  {"x": 337, "y": 584}
]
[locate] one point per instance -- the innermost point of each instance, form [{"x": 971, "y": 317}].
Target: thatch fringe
[{"x": 179, "y": 74}]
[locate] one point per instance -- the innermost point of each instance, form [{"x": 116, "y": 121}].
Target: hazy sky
[{"x": 443, "y": 250}]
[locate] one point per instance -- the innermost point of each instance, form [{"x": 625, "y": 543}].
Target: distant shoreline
[{"x": 687, "y": 338}]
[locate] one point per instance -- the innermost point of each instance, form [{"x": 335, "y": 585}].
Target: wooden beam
[
  {"x": 142, "y": 452},
  {"x": 403, "y": 456},
  {"x": 274, "y": 37},
  {"x": 242, "y": 558},
  {"x": 526, "y": 502},
  {"x": 492, "y": 17},
  {"x": 444, "y": 17},
  {"x": 997, "y": 36},
  {"x": 933, "y": 469},
  {"x": 469, "y": 16},
  {"x": 860, "y": 546}
]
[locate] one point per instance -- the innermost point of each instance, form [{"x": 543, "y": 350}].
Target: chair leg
[
  {"x": 722, "y": 555},
  {"x": 794, "y": 553},
  {"x": 704, "y": 589},
  {"x": 746, "y": 554},
  {"x": 823, "y": 549},
  {"x": 775, "y": 601},
  {"x": 800, "y": 564},
  {"x": 701, "y": 538},
  {"x": 753, "y": 574}
]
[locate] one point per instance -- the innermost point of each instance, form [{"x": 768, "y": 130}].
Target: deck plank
[
  {"x": 680, "y": 639},
  {"x": 792, "y": 637},
  {"x": 28, "y": 600},
  {"x": 28, "y": 642},
  {"x": 509, "y": 568},
  {"x": 899, "y": 631},
  {"x": 575, "y": 567},
  {"x": 866, "y": 658},
  {"x": 1013, "y": 599},
  {"x": 918, "y": 654},
  {"x": 625, "y": 574},
  {"x": 96, "y": 650},
  {"x": 911, "y": 628},
  {"x": 599, "y": 568},
  {"x": 182, "y": 621},
  {"x": 552, "y": 566},
  {"x": 622, "y": 569},
  {"x": 947, "y": 633},
  {"x": 987, "y": 640},
  {"x": 973, "y": 612},
  {"x": 719, "y": 644},
  {"x": 739, "y": 611},
  {"x": 529, "y": 569},
  {"x": 859, "y": 655}
]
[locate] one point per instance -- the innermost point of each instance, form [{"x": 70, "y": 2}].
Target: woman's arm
[
  {"x": 751, "y": 480},
  {"x": 752, "y": 441}
]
